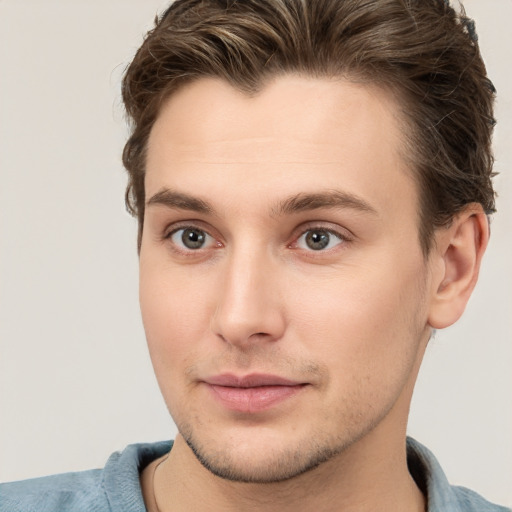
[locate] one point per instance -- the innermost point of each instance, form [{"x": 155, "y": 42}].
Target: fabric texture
[{"x": 116, "y": 488}]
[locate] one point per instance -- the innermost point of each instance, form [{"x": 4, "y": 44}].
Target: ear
[{"x": 457, "y": 255}]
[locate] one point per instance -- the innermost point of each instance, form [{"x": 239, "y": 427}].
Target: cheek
[
  {"x": 175, "y": 314},
  {"x": 365, "y": 325},
  {"x": 370, "y": 342}
]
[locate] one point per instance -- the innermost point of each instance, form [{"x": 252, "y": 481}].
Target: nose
[{"x": 249, "y": 307}]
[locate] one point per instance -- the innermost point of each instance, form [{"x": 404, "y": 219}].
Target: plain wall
[{"x": 75, "y": 379}]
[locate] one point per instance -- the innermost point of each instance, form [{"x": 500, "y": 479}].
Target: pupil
[
  {"x": 193, "y": 238},
  {"x": 317, "y": 240}
]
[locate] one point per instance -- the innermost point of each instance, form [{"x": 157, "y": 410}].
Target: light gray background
[{"x": 75, "y": 378}]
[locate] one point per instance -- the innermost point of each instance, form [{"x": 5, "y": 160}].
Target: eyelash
[
  {"x": 187, "y": 251},
  {"x": 342, "y": 239}
]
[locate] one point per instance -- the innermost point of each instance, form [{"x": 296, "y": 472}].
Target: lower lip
[{"x": 253, "y": 399}]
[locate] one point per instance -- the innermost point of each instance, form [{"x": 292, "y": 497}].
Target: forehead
[
  {"x": 296, "y": 133},
  {"x": 208, "y": 110}
]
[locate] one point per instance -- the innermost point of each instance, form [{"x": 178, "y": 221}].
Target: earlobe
[{"x": 459, "y": 252}]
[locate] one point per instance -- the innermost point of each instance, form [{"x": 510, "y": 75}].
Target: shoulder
[
  {"x": 441, "y": 496},
  {"x": 470, "y": 501},
  {"x": 70, "y": 491},
  {"x": 114, "y": 488}
]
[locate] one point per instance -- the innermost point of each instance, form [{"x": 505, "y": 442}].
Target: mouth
[{"x": 252, "y": 393}]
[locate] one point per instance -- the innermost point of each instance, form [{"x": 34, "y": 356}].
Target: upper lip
[{"x": 250, "y": 381}]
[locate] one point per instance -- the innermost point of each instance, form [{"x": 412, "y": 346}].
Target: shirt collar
[
  {"x": 122, "y": 473},
  {"x": 430, "y": 478}
]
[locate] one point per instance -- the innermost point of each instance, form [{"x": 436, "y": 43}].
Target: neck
[{"x": 361, "y": 479}]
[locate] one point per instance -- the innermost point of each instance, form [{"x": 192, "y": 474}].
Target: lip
[
  {"x": 250, "y": 381},
  {"x": 252, "y": 393}
]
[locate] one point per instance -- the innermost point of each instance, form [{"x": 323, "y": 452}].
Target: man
[{"x": 312, "y": 184}]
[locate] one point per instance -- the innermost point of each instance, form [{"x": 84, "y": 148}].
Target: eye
[
  {"x": 191, "y": 238},
  {"x": 319, "y": 240}
]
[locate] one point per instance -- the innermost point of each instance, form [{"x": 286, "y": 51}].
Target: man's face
[{"x": 283, "y": 289}]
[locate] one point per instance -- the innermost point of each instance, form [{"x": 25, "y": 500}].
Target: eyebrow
[
  {"x": 179, "y": 200},
  {"x": 301, "y": 202},
  {"x": 330, "y": 199}
]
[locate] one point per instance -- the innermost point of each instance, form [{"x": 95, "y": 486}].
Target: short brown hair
[{"x": 422, "y": 50}]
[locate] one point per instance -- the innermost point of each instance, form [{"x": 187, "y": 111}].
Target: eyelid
[
  {"x": 175, "y": 227},
  {"x": 329, "y": 227},
  {"x": 171, "y": 228},
  {"x": 180, "y": 244},
  {"x": 343, "y": 234}
]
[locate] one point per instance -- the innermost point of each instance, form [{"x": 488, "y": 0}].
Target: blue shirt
[{"x": 116, "y": 488}]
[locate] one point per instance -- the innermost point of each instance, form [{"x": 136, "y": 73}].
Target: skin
[{"x": 350, "y": 322}]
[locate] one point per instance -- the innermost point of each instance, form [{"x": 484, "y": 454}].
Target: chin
[{"x": 260, "y": 460}]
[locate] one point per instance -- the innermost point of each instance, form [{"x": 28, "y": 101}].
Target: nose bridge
[{"x": 248, "y": 305}]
